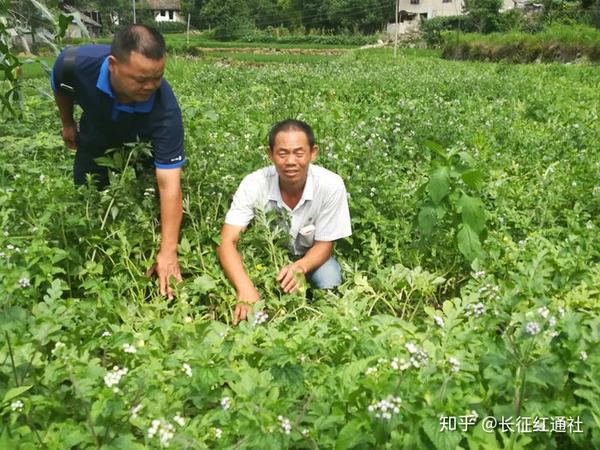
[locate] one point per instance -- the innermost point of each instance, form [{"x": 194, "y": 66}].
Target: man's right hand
[
  {"x": 245, "y": 300},
  {"x": 69, "y": 134}
]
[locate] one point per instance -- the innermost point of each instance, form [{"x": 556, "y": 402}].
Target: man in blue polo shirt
[{"x": 124, "y": 98}]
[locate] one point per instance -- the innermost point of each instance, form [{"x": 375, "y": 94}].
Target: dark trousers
[{"x": 84, "y": 164}]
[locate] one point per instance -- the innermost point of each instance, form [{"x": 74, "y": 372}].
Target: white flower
[
  {"x": 477, "y": 309},
  {"x": 305, "y": 432},
  {"x": 179, "y": 420},
  {"x": 532, "y": 328},
  {"x": 561, "y": 311},
  {"x": 17, "y": 405},
  {"x": 455, "y": 363},
  {"x": 583, "y": 355},
  {"x": 128, "y": 348},
  {"x": 57, "y": 347},
  {"x": 260, "y": 318},
  {"x": 106, "y": 334},
  {"x": 113, "y": 378},
  {"x": 286, "y": 426},
  {"x": 135, "y": 410},
  {"x": 544, "y": 312},
  {"x": 589, "y": 225},
  {"x": 439, "y": 321},
  {"x": 302, "y": 358},
  {"x": 24, "y": 282},
  {"x": 412, "y": 348},
  {"x": 10, "y": 247},
  {"x": 226, "y": 403},
  {"x": 186, "y": 369},
  {"x": 218, "y": 433},
  {"x": 371, "y": 370},
  {"x": 479, "y": 274},
  {"x": 386, "y": 408},
  {"x": 164, "y": 430},
  {"x": 42, "y": 178},
  {"x": 400, "y": 364},
  {"x": 552, "y": 321}
]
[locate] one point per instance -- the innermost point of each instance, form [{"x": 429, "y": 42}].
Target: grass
[{"x": 557, "y": 43}]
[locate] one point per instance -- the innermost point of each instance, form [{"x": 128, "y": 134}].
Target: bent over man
[
  {"x": 315, "y": 199},
  {"x": 124, "y": 98}
]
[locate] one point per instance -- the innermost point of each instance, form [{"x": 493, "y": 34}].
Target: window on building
[
  {"x": 414, "y": 2},
  {"x": 446, "y": 1},
  {"x": 163, "y": 13},
  {"x": 170, "y": 15}
]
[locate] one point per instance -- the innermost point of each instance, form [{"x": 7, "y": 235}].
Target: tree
[
  {"x": 484, "y": 14},
  {"x": 231, "y": 18}
]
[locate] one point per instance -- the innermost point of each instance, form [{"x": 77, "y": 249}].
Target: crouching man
[{"x": 316, "y": 202}]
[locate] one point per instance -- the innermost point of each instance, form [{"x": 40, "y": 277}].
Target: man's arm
[
  {"x": 314, "y": 258},
  {"x": 233, "y": 267},
  {"x": 171, "y": 213},
  {"x": 69, "y": 127}
]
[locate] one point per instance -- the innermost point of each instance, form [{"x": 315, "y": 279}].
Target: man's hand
[
  {"x": 166, "y": 267},
  {"x": 69, "y": 133},
  {"x": 244, "y": 304},
  {"x": 291, "y": 277}
]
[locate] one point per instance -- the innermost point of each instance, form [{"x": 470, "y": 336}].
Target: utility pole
[
  {"x": 133, "y": 1},
  {"x": 397, "y": 26}
]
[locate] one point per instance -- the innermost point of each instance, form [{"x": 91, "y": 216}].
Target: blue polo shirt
[{"x": 106, "y": 123}]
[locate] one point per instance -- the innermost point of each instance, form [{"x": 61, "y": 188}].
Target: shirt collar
[
  {"x": 307, "y": 194},
  {"x": 103, "y": 83}
]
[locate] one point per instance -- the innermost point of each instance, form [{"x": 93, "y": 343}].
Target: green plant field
[{"x": 471, "y": 279}]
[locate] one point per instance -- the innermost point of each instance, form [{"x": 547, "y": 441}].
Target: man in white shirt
[{"x": 316, "y": 201}]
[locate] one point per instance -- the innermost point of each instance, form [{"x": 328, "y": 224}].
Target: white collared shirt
[{"x": 322, "y": 213}]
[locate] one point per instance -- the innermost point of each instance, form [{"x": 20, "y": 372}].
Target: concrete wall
[{"x": 435, "y": 8}]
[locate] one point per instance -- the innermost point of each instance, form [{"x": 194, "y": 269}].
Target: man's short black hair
[
  {"x": 138, "y": 38},
  {"x": 291, "y": 124}
]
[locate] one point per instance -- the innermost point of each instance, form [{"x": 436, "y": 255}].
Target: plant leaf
[
  {"x": 15, "y": 392},
  {"x": 439, "y": 184},
  {"x": 472, "y": 212},
  {"x": 468, "y": 242}
]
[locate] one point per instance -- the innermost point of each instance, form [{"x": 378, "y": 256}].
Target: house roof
[
  {"x": 164, "y": 4},
  {"x": 84, "y": 18}
]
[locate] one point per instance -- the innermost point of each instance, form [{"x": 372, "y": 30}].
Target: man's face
[
  {"x": 136, "y": 79},
  {"x": 291, "y": 155}
]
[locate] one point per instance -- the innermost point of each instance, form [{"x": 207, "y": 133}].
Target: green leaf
[
  {"x": 350, "y": 435},
  {"x": 204, "y": 284},
  {"x": 427, "y": 219},
  {"x": 439, "y": 184},
  {"x": 472, "y": 178},
  {"x": 44, "y": 11},
  {"x": 15, "y": 392},
  {"x": 64, "y": 21},
  {"x": 468, "y": 242},
  {"x": 472, "y": 212},
  {"x": 436, "y": 148},
  {"x": 442, "y": 440}
]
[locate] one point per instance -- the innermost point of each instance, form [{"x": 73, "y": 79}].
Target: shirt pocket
[{"x": 306, "y": 237}]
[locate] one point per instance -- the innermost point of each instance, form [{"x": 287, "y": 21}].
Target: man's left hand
[
  {"x": 291, "y": 277},
  {"x": 166, "y": 267}
]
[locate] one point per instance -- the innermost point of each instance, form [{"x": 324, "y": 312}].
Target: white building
[
  {"x": 413, "y": 11},
  {"x": 166, "y": 10}
]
